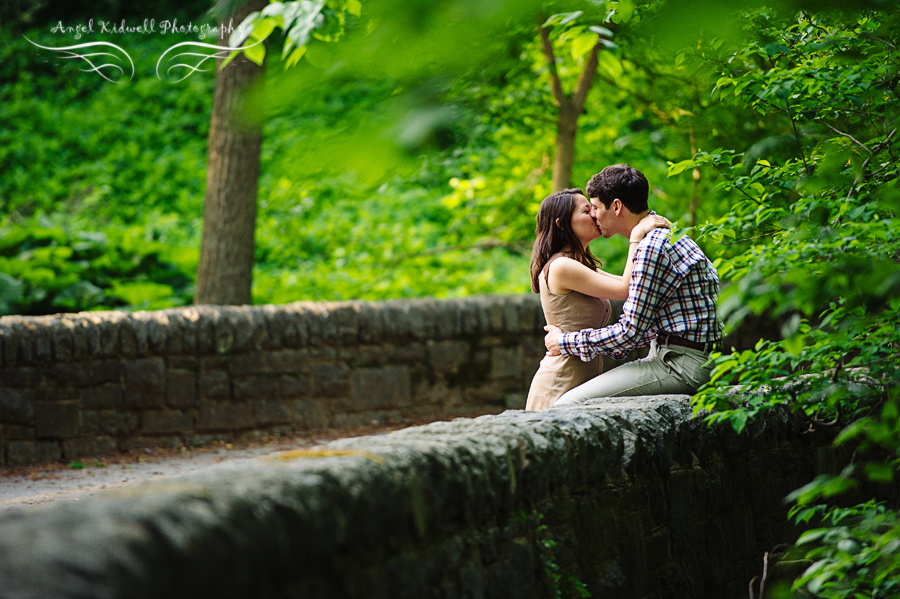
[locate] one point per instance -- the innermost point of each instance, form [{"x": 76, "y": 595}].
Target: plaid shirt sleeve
[{"x": 653, "y": 280}]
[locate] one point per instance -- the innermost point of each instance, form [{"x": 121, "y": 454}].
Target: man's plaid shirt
[{"x": 673, "y": 289}]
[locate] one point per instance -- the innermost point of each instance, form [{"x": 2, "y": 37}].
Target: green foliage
[
  {"x": 300, "y": 21},
  {"x": 559, "y": 585},
  {"x": 856, "y": 553},
  {"x": 49, "y": 265},
  {"x": 813, "y": 239}
]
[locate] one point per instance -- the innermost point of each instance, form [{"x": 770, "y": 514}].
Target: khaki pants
[{"x": 667, "y": 369}]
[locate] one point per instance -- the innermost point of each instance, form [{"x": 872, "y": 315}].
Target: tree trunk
[
  {"x": 566, "y": 128},
  {"x": 569, "y": 109},
  {"x": 225, "y": 275}
]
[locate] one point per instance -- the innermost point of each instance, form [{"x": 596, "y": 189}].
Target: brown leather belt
[{"x": 667, "y": 339}]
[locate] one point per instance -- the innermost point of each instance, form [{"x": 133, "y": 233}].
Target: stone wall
[
  {"x": 82, "y": 384},
  {"x": 630, "y": 497}
]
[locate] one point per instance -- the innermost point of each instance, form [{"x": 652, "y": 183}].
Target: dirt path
[{"x": 23, "y": 488}]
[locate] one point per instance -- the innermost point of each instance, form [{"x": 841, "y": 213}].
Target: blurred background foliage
[
  {"x": 387, "y": 170},
  {"x": 409, "y": 159}
]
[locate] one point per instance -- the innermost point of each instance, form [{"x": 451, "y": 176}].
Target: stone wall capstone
[{"x": 630, "y": 497}]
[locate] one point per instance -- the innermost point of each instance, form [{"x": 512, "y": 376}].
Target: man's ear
[{"x": 617, "y": 206}]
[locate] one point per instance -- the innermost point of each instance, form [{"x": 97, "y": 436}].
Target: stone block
[
  {"x": 61, "y": 339},
  {"x": 16, "y": 406},
  {"x": 490, "y": 394},
  {"x": 287, "y": 361},
  {"x": 292, "y": 387},
  {"x": 156, "y": 422},
  {"x": 75, "y": 324},
  {"x": 406, "y": 353},
  {"x": 207, "y": 318},
  {"x": 512, "y": 320},
  {"x": 8, "y": 345},
  {"x": 18, "y": 432},
  {"x": 370, "y": 324},
  {"x": 108, "y": 395},
  {"x": 447, "y": 356},
  {"x": 21, "y": 453},
  {"x": 273, "y": 412},
  {"x": 188, "y": 362},
  {"x": 181, "y": 388},
  {"x": 221, "y": 416},
  {"x": 90, "y": 422},
  {"x": 234, "y": 330},
  {"x": 261, "y": 337},
  {"x": 144, "y": 331},
  {"x": 145, "y": 383},
  {"x": 42, "y": 340},
  {"x": 183, "y": 336},
  {"x": 330, "y": 380},
  {"x": 294, "y": 320},
  {"x": 345, "y": 316},
  {"x": 55, "y": 393},
  {"x": 214, "y": 384},
  {"x": 387, "y": 387},
  {"x": 110, "y": 371},
  {"x": 21, "y": 376},
  {"x": 117, "y": 423},
  {"x": 69, "y": 374},
  {"x": 515, "y": 401},
  {"x": 506, "y": 362},
  {"x": 311, "y": 414},
  {"x": 142, "y": 442},
  {"x": 254, "y": 387},
  {"x": 88, "y": 447},
  {"x": 249, "y": 364},
  {"x": 271, "y": 316}
]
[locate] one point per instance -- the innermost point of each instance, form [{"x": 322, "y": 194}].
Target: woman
[{"x": 575, "y": 294}]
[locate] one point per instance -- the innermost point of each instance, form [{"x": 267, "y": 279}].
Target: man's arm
[{"x": 652, "y": 282}]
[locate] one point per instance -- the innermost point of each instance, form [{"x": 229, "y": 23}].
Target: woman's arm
[{"x": 566, "y": 275}]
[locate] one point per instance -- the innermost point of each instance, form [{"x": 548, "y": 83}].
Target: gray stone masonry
[
  {"x": 641, "y": 501},
  {"x": 76, "y": 385}
]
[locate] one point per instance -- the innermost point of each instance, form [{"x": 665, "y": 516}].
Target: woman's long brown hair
[{"x": 552, "y": 238}]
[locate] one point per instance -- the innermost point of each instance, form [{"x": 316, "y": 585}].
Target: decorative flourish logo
[
  {"x": 223, "y": 52},
  {"x": 94, "y": 58}
]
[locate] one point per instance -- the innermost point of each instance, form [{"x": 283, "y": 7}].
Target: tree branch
[
  {"x": 847, "y": 135},
  {"x": 559, "y": 97},
  {"x": 585, "y": 80}
]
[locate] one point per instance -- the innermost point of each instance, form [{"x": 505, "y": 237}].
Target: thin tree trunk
[
  {"x": 225, "y": 275},
  {"x": 570, "y": 107},
  {"x": 566, "y": 129}
]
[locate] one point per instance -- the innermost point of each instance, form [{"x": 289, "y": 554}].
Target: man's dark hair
[{"x": 620, "y": 181}]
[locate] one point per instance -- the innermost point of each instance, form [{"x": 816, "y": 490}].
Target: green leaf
[
  {"x": 255, "y": 53},
  {"x": 812, "y": 535},
  {"x": 562, "y": 18},
  {"x": 879, "y": 473},
  {"x": 582, "y": 44}
]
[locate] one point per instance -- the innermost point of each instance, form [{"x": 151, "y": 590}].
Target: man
[{"x": 671, "y": 303}]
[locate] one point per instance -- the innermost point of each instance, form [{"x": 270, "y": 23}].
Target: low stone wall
[
  {"x": 84, "y": 384},
  {"x": 629, "y": 497}
]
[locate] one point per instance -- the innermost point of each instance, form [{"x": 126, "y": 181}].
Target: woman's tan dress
[{"x": 573, "y": 311}]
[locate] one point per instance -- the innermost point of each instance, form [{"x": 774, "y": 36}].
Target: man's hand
[{"x": 551, "y": 339}]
